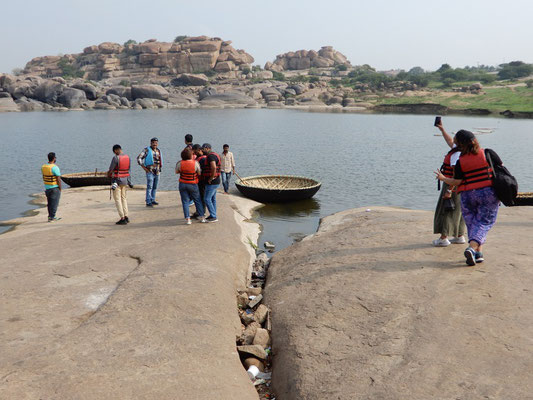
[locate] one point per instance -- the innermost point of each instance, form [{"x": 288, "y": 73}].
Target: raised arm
[{"x": 445, "y": 135}]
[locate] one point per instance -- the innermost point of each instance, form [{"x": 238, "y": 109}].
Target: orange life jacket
[
  {"x": 122, "y": 170},
  {"x": 476, "y": 170},
  {"x": 206, "y": 167},
  {"x": 447, "y": 168},
  {"x": 188, "y": 171}
]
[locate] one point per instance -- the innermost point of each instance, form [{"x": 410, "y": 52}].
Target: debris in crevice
[{"x": 253, "y": 345}]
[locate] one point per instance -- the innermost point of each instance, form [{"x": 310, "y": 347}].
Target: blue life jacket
[{"x": 149, "y": 159}]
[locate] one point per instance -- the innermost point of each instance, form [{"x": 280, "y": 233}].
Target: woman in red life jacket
[
  {"x": 189, "y": 171},
  {"x": 479, "y": 203},
  {"x": 448, "y": 222}
]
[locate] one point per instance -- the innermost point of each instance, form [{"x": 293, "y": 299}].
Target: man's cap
[
  {"x": 206, "y": 146},
  {"x": 154, "y": 139}
]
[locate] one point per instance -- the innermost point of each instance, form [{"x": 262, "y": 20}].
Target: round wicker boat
[
  {"x": 524, "y": 199},
  {"x": 86, "y": 179},
  {"x": 277, "y": 188}
]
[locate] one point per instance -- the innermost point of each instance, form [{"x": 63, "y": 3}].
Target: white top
[{"x": 455, "y": 156}]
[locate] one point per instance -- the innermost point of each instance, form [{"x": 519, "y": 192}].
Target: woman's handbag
[
  {"x": 448, "y": 204},
  {"x": 504, "y": 184}
]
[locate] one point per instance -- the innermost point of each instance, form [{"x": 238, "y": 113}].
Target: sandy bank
[
  {"x": 368, "y": 309},
  {"x": 148, "y": 310}
]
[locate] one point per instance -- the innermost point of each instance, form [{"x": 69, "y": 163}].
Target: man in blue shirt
[
  {"x": 151, "y": 161},
  {"x": 52, "y": 186}
]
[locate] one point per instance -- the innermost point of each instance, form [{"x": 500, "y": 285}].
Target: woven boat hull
[
  {"x": 524, "y": 199},
  {"x": 86, "y": 179},
  {"x": 277, "y": 188}
]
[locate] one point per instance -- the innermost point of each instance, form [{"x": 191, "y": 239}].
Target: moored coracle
[
  {"x": 524, "y": 199},
  {"x": 277, "y": 188},
  {"x": 86, "y": 179}
]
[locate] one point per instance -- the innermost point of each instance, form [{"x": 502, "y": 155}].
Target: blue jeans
[
  {"x": 226, "y": 176},
  {"x": 52, "y": 197},
  {"x": 151, "y": 187},
  {"x": 188, "y": 192},
  {"x": 210, "y": 199}
]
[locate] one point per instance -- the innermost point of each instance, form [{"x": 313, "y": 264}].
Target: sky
[{"x": 386, "y": 34}]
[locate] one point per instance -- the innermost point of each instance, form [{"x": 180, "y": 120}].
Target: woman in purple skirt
[{"x": 479, "y": 203}]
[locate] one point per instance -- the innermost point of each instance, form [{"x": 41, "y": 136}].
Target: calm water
[{"x": 362, "y": 160}]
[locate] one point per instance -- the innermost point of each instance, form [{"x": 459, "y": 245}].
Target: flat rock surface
[
  {"x": 92, "y": 310},
  {"x": 368, "y": 309}
]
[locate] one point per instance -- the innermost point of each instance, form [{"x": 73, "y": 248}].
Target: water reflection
[
  {"x": 285, "y": 223},
  {"x": 288, "y": 211}
]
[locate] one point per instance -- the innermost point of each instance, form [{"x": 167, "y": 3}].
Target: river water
[{"x": 362, "y": 160}]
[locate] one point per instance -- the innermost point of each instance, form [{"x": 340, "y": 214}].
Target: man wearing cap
[
  {"x": 151, "y": 161},
  {"x": 211, "y": 176}
]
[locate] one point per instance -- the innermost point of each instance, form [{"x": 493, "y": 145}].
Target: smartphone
[{"x": 437, "y": 121}]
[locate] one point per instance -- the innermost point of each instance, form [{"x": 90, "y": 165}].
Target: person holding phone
[
  {"x": 448, "y": 220},
  {"x": 473, "y": 175}
]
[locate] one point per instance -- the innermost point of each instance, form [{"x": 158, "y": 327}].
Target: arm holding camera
[{"x": 445, "y": 135}]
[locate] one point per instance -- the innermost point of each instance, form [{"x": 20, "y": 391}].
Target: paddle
[{"x": 243, "y": 182}]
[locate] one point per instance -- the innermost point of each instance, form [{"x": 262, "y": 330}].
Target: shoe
[
  {"x": 195, "y": 215},
  {"x": 458, "y": 240},
  {"x": 479, "y": 257},
  {"x": 441, "y": 242},
  {"x": 188, "y": 221},
  {"x": 155, "y": 203},
  {"x": 211, "y": 219},
  {"x": 149, "y": 205},
  {"x": 203, "y": 221},
  {"x": 127, "y": 220},
  {"x": 121, "y": 222},
  {"x": 53, "y": 219},
  {"x": 470, "y": 255}
]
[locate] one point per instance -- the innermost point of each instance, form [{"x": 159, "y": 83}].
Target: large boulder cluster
[
  {"x": 151, "y": 58},
  {"x": 326, "y": 57}
]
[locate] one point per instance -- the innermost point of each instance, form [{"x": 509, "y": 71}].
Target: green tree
[
  {"x": 416, "y": 71},
  {"x": 443, "y": 68},
  {"x": 180, "y": 38},
  {"x": 514, "y": 70},
  {"x": 129, "y": 41},
  {"x": 69, "y": 70},
  {"x": 278, "y": 76}
]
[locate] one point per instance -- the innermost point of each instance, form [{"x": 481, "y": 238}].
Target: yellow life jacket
[{"x": 48, "y": 176}]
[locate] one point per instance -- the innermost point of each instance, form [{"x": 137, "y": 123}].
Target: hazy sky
[{"x": 383, "y": 33}]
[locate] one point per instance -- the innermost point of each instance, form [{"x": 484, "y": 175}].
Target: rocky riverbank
[
  {"x": 148, "y": 310},
  {"x": 205, "y": 72},
  {"x": 366, "y": 308}
]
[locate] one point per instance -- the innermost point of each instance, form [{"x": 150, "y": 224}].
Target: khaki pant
[{"x": 119, "y": 194}]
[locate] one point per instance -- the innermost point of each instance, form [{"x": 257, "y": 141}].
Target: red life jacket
[
  {"x": 206, "y": 167},
  {"x": 446, "y": 167},
  {"x": 188, "y": 171},
  {"x": 122, "y": 170},
  {"x": 476, "y": 170}
]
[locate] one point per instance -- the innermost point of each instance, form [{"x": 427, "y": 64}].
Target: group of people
[
  {"x": 200, "y": 171},
  {"x": 467, "y": 201}
]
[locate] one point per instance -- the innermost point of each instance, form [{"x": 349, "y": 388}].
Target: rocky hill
[
  {"x": 144, "y": 60},
  {"x": 326, "y": 57}
]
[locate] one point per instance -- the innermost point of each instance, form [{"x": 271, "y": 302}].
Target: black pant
[
  {"x": 52, "y": 197},
  {"x": 201, "y": 187}
]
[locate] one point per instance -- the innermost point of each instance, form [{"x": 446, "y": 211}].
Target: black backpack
[{"x": 504, "y": 184}]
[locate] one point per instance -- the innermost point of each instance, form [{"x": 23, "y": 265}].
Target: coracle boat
[
  {"x": 277, "y": 188},
  {"x": 524, "y": 199},
  {"x": 86, "y": 179}
]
